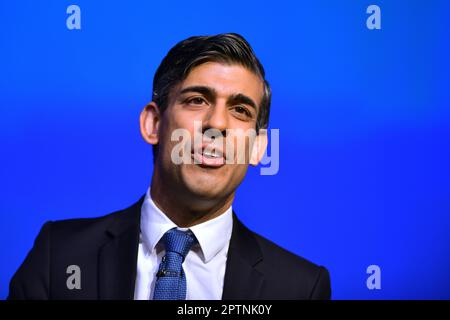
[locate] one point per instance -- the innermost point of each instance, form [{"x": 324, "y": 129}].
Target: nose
[{"x": 217, "y": 118}]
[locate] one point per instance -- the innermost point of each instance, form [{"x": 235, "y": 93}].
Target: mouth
[{"x": 208, "y": 157}]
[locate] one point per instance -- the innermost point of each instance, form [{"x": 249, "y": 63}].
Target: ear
[
  {"x": 259, "y": 147},
  {"x": 149, "y": 122}
]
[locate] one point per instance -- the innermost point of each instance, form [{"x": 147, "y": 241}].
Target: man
[{"x": 181, "y": 240}]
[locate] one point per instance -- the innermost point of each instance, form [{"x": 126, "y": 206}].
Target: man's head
[{"x": 216, "y": 81}]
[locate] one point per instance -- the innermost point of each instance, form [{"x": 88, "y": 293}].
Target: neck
[{"x": 185, "y": 209}]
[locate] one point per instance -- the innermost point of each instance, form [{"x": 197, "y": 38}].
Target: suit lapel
[
  {"x": 118, "y": 257},
  {"x": 242, "y": 279}
]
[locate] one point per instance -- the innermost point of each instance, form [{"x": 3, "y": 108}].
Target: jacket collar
[
  {"x": 118, "y": 259},
  {"x": 118, "y": 256}
]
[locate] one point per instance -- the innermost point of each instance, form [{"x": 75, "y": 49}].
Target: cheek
[
  {"x": 182, "y": 118},
  {"x": 177, "y": 138},
  {"x": 239, "y": 148},
  {"x": 173, "y": 121}
]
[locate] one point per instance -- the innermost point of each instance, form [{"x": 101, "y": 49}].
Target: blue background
[{"x": 364, "y": 119}]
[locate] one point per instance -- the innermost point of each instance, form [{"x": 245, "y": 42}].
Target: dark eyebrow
[
  {"x": 242, "y": 98},
  {"x": 208, "y": 92}
]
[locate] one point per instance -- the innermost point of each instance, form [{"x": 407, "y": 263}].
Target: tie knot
[{"x": 179, "y": 241}]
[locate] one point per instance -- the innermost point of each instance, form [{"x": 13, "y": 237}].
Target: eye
[
  {"x": 196, "y": 101},
  {"x": 243, "y": 111}
]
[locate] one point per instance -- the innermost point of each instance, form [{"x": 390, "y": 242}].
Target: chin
[{"x": 204, "y": 183}]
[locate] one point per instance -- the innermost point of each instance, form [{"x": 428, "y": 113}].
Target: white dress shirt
[{"x": 205, "y": 263}]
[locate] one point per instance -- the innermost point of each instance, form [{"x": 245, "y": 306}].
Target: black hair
[{"x": 194, "y": 51}]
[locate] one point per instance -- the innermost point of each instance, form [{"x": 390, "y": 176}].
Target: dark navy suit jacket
[{"x": 106, "y": 249}]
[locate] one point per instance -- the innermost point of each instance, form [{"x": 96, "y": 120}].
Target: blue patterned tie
[{"x": 171, "y": 280}]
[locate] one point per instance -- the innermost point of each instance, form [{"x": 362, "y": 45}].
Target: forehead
[{"x": 226, "y": 80}]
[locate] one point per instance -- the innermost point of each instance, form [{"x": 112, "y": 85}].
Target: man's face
[{"x": 217, "y": 96}]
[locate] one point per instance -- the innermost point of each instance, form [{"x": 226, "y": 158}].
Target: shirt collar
[{"x": 212, "y": 235}]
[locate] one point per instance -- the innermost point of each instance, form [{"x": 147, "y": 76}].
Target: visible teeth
[{"x": 210, "y": 154}]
